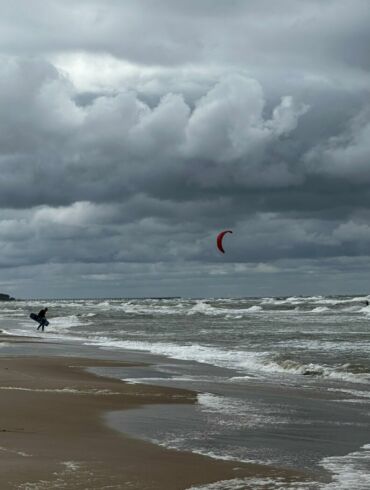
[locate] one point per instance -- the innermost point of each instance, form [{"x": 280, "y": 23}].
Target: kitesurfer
[{"x": 42, "y": 318}]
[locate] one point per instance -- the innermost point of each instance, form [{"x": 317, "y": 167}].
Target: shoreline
[{"x": 52, "y": 431}]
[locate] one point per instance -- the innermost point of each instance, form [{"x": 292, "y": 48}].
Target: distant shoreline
[{"x": 6, "y": 297}]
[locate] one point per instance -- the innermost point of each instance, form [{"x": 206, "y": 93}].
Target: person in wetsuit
[{"x": 42, "y": 318}]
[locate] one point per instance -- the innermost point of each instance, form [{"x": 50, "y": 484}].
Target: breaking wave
[{"x": 240, "y": 360}]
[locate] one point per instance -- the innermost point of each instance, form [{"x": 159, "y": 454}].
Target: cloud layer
[{"x": 128, "y": 140}]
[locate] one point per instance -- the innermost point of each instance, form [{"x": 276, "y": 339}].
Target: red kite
[{"x": 220, "y": 237}]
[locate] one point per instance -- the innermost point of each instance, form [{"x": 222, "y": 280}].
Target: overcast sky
[{"x": 133, "y": 131}]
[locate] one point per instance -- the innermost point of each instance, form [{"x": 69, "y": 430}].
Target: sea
[{"x": 281, "y": 381}]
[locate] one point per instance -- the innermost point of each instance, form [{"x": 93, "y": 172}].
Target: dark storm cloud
[
  {"x": 53, "y": 151},
  {"x": 248, "y": 115},
  {"x": 307, "y": 33},
  {"x": 345, "y": 155}
]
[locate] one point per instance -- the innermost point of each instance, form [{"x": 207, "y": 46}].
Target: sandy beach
[{"x": 53, "y": 434}]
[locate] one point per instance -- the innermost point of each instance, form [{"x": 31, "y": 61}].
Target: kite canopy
[{"x": 220, "y": 237}]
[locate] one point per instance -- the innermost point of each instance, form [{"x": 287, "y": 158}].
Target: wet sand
[{"x": 53, "y": 435}]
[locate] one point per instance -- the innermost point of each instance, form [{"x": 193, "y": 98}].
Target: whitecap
[{"x": 351, "y": 471}]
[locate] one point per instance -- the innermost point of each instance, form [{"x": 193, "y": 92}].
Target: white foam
[
  {"x": 357, "y": 345},
  {"x": 234, "y": 484},
  {"x": 320, "y": 309},
  {"x": 103, "y": 304},
  {"x": 181, "y": 379},
  {"x": 349, "y": 472},
  {"x": 364, "y": 395},
  {"x": 319, "y": 300},
  {"x": 10, "y": 310},
  {"x": 292, "y": 300},
  {"x": 72, "y": 473},
  {"x": 71, "y": 465},
  {"x": 51, "y": 332},
  {"x": 354, "y": 309},
  {"x": 190, "y": 352},
  {"x": 144, "y": 307},
  {"x": 261, "y": 362},
  {"x": 66, "y": 322},
  {"x": 240, "y": 413},
  {"x": 61, "y": 390},
  {"x": 338, "y": 372},
  {"x": 254, "y": 483},
  {"x": 254, "y": 308},
  {"x": 249, "y": 361},
  {"x": 180, "y": 444},
  {"x": 14, "y": 451},
  {"x": 204, "y": 308},
  {"x": 57, "y": 327}
]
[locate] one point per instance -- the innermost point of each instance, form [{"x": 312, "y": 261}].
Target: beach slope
[{"x": 52, "y": 433}]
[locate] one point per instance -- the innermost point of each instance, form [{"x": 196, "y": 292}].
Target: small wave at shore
[
  {"x": 351, "y": 471},
  {"x": 348, "y": 472},
  {"x": 241, "y": 413},
  {"x": 257, "y": 483},
  {"x": 248, "y": 361},
  {"x": 67, "y": 322}
]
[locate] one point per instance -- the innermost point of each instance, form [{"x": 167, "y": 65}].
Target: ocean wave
[
  {"x": 355, "y": 309},
  {"x": 231, "y": 308},
  {"x": 34, "y": 304},
  {"x": 144, "y": 307},
  {"x": 348, "y": 472},
  {"x": 266, "y": 364},
  {"x": 10, "y": 310},
  {"x": 203, "y": 308},
  {"x": 292, "y": 300},
  {"x": 319, "y": 300},
  {"x": 353, "y": 299},
  {"x": 321, "y": 345},
  {"x": 195, "y": 352},
  {"x": 233, "y": 359},
  {"x": 103, "y": 304},
  {"x": 245, "y": 361},
  {"x": 320, "y": 309},
  {"x": 188, "y": 307},
  {"x": 66, "y": 322},
  {"x": 359, "y": 394},
  {"x": 341, "y": 372}
]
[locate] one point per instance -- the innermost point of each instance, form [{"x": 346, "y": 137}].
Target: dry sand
[{"x": 52, "y": 433}]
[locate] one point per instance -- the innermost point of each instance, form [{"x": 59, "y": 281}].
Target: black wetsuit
[{"x": 41, "y": 314}]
